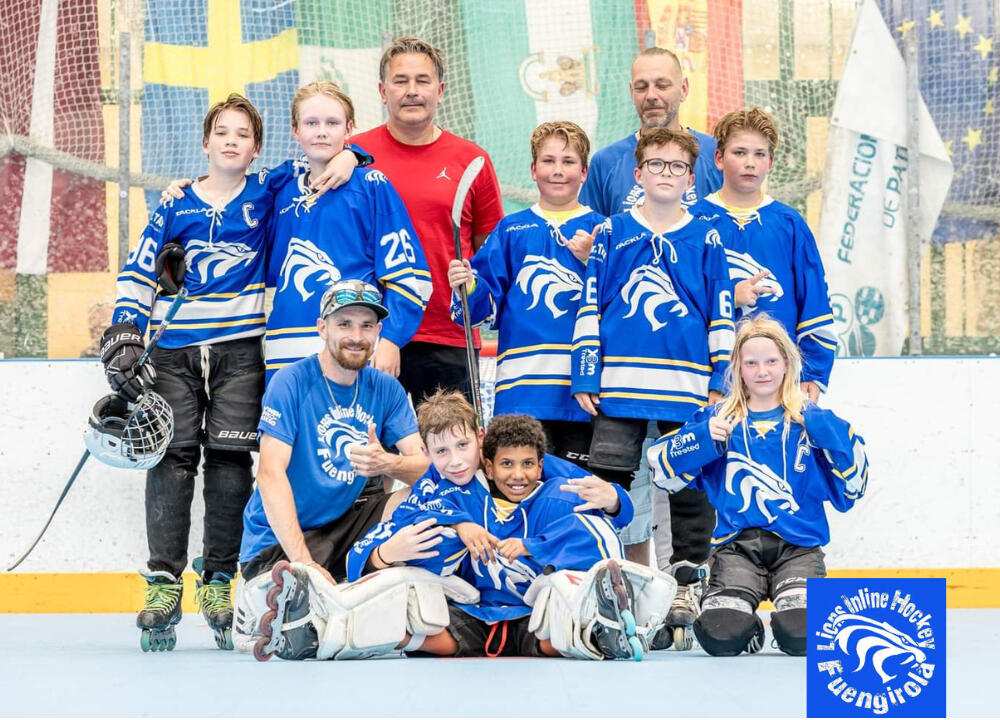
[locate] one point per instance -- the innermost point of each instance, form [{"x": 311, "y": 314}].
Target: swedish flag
[{"x": 199, "y": 51}]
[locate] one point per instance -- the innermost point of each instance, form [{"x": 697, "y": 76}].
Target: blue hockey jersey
[
  {"x": 545, "y": 521},
  {"x": 654, "y": 332},
  {"x": 767, "y": 476},
  {"x": 611, "y": 188},
  {"x": 359, "y": 231},
  {"x": 775, "y": 237},
  {"x": 225, "y": 253},
  {"x": 528, "y": 285}
]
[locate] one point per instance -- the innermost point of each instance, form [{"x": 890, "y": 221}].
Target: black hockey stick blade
[{"x": 72, "y": 479}]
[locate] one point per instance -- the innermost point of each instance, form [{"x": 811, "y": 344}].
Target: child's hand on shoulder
[
  {"x": 478, "y": 541},
  {"x": 512, "y": 548}
]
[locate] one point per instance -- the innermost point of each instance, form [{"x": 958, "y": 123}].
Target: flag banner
[{"x": 863, "y": 233}]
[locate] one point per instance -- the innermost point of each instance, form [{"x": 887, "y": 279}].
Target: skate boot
[
  {"x": 286, "y": 628},
  {"x": 214, "y": 598},
  {"x": 678, "y": 630},
  {"x": 614, "y": 632},
  {"x": 160, "y": 612}
]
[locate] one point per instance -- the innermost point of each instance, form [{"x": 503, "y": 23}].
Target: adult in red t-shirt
[{"x": 424, "y": 163}]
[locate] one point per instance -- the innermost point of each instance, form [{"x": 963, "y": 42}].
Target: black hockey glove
[
  {"x": 170, "y": 268},
  {"x": 121, "y": 348}
]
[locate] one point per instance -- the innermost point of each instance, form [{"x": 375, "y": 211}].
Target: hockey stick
[
  {"x": 464, "y": 185},
  {"x": 171, "y": 311}
]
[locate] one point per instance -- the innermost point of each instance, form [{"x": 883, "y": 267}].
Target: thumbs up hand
[
  {"x": 581, "y": 243},
  {"x": 371, "y": 459}
]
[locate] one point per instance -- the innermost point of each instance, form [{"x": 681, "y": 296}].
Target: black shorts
[
  {"x": 427, "y": 367},
  {"x": 214, "y": 391},
  {"x": 616, "y": 447},
  {"x": 330, "y": 543},
  {"x": 478, "y": 638},
  {"x": 569, "y": 440},
  {"x": 758, "y": 564}
]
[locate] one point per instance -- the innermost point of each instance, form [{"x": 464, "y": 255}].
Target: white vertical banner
[{"x": 862, "y": 231}]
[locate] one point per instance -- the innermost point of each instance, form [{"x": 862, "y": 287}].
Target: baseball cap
[{"x": 352, "y": 293}]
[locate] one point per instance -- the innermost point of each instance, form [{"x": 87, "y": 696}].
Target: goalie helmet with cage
[{"x": 131, "y": 436}]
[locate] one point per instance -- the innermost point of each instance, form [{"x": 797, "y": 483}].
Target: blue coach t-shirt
[{"x": 298, "y": 410}]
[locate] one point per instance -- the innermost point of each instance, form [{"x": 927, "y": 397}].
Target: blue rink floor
[{"x": 91, "y": 665}]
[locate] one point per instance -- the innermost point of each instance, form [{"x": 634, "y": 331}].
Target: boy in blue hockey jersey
[
  {"x": 208, "y": 364},
  {"x": 652, "y": 338},
  {"x": 772, "y": 255},
  {"x": 361, "y": 231},
  {"x": 769, "y": 460},
  {"x": 505, "y": 525},
  {"x": 527, "y": 280}
]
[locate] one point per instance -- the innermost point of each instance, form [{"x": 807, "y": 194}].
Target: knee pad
[
  {"x": 725, "y": 632},
  {"x": 789, "y": 629}
]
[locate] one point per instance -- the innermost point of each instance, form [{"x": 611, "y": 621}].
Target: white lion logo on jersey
[
  {"x": 760, "y": 478},
  {"x": 511, "y": 575},
  {"x": 742, "y": 266},
  {"x": 212, "y": 261},
  {"x": 304, "y": 261},
  {"x": 376, "y": 176},
  {"x": 652, "y": 281},
  {"x": 340, "y": 436},
  {"x": 879, "y": 639},
  {"x": 544, "y": 277}
]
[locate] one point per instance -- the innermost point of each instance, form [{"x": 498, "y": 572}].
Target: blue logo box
[{"x": 876, "y": 648}]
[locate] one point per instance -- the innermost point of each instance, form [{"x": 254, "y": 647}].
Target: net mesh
[{"x": 509, "y": 66}]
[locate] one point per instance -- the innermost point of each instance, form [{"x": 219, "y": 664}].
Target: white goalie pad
[
  {"x": 366, "y": 618},
  {"x": 564, "y": 606}
]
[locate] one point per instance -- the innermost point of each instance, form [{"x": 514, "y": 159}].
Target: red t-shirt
[{"x": 426, "y": 177}]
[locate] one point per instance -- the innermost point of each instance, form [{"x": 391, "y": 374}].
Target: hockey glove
[
  {"x": 121, "y": 348},
  {"x": 170, "y": 268}
]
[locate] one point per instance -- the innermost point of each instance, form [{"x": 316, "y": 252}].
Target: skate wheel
[
  {"x": 258, "y": 651},
  {"x": 683, "y": 640},
  {"x": 266, "y": 620},
  {"x": 637, "y": 650},
  {"x": 224, "y": 639},
  {"x": 145, "y": 641},
  {"x": 279, "y": 570},
  {"x": 629, "y": 619},
  {"x": 272, "y": 597}
]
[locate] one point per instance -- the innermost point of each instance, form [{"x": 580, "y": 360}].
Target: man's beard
[
  {"x": 661, "y": 121},
  {"x": 353, "y": 361}
]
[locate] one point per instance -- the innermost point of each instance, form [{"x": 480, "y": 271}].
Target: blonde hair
[
  {"x": 571, "y": 133},
  {"x": 322, "y": 87},
  {"x": 749, "y": 120},
  {"x": 790, "y": 396}
]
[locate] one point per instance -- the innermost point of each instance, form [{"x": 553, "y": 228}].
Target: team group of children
[{"x": 711, "y": 320}]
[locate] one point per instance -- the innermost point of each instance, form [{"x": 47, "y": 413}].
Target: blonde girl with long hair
[{"x": 769, "y": 460}]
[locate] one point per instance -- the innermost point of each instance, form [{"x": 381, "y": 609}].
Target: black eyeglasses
[{"x": 657, "y": 166}]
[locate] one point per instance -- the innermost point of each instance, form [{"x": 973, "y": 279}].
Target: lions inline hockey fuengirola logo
[
  {"x": 542, "y": 277},
  {"x": 650, "y": 287},
  {"x": 335, "y": 438},
  {"x": 876, "y": 648},
  {"x": 758, "y": 485},
  {"x": 306, "y": 263},
  {"x": 213, "y": 260}
]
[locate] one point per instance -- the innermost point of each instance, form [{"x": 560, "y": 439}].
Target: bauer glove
[
  {"x": 170, "y": 268},
  {"x": 121, "y": 348}
]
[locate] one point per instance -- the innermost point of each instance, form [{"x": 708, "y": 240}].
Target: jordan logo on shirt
[{"x": 443, "y": 174}]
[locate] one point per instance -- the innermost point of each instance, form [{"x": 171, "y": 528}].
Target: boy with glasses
[{"x": 652, "y": 339}]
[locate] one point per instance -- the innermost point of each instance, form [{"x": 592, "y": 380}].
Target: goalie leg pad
[
  {"x": 373, "y": 615},
  {"x": 565, "y": 605}
]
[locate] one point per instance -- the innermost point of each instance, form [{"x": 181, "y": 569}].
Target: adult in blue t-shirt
[
  {"x": 658, "y": 87},
  {"x": 324, "y": 427}
]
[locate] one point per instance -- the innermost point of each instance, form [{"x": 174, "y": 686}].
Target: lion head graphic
[
  {"x": 650, "y": 287},
  {"x": 304, "y": 262},
  {"x": 213, "y": 260},
  {"x": 865, "y": 638},
  {"x": 542, "y": 277}
]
